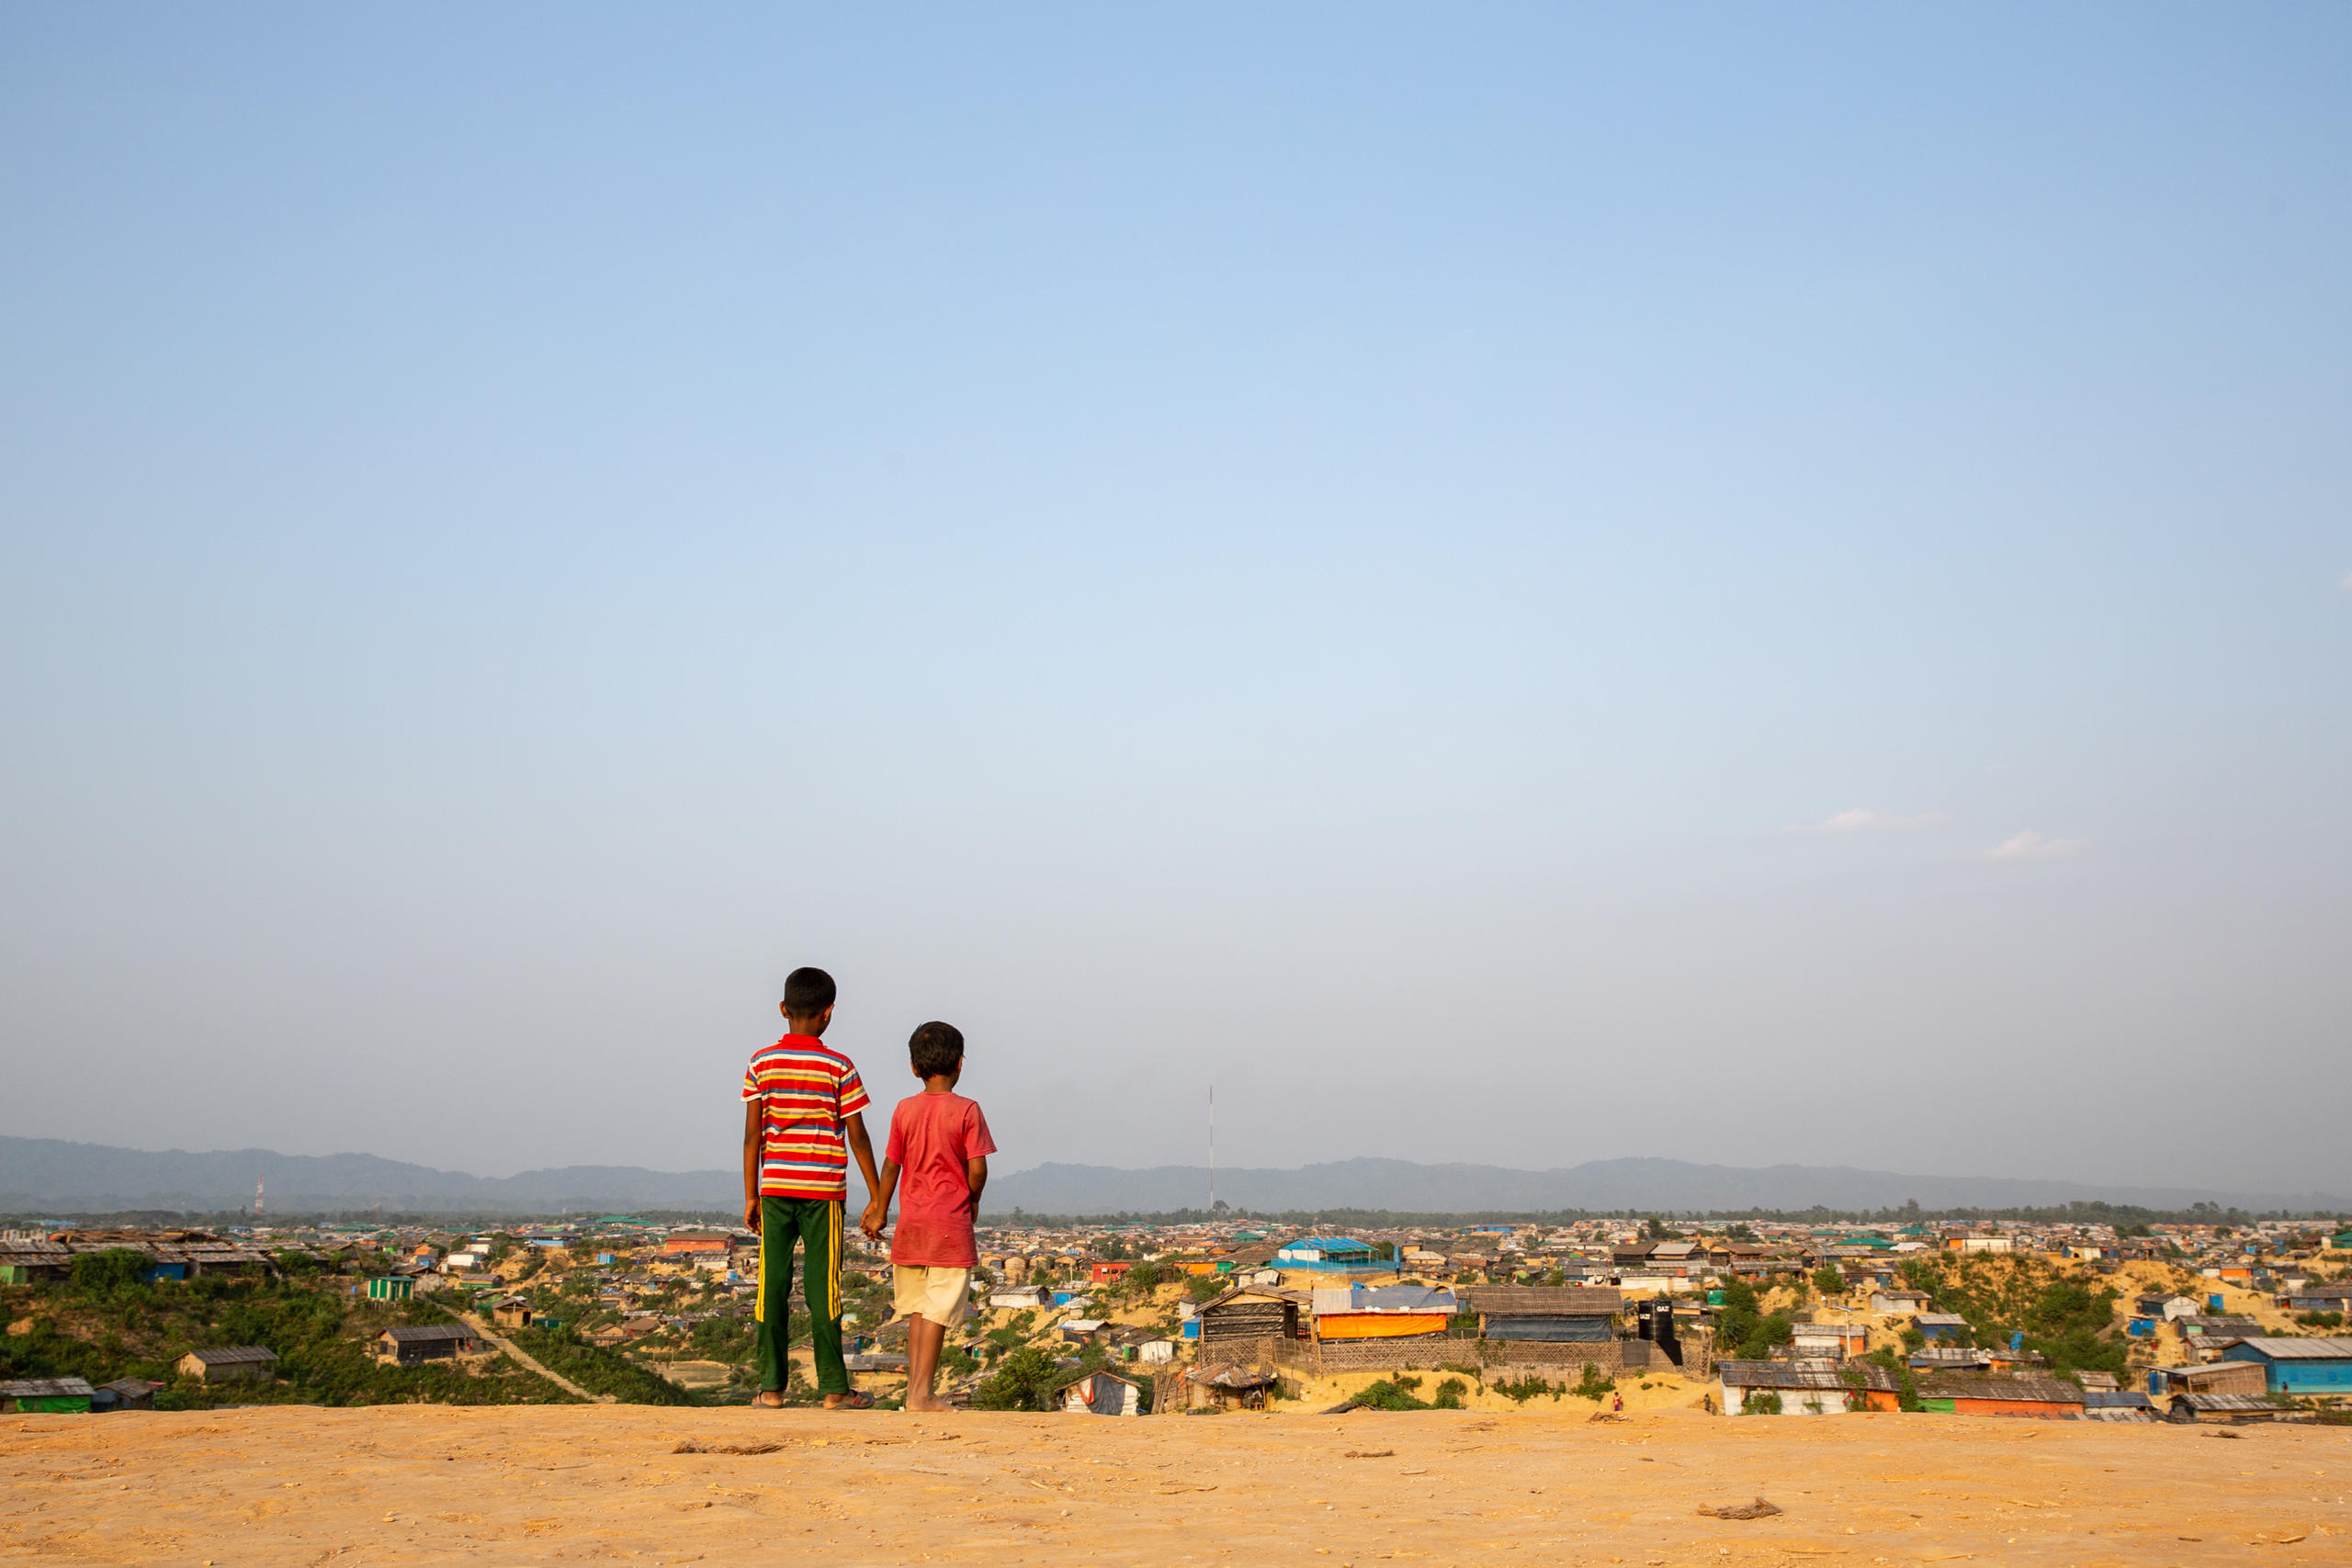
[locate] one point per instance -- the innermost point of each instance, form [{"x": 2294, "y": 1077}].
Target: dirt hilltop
[{"x": 508, "y": 1485}]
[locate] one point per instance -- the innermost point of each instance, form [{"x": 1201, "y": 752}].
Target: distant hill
[
  {"x": 48, "y": 1174},
  {"x": 1641, "y": 1184}
]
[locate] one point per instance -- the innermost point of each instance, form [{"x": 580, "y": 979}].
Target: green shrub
[
  {"x": 1448, "y": 1394},
  {"x": 1392, "y": 1394},
  {"x": 1024, "y": 1379},
  {"x": 110, "y": 1273},
  {"x": 1765, "y": 1404},
  {"x": 1595, "y": 1386}
]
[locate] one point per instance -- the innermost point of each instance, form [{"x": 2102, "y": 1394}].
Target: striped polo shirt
[{"x": 809, "y": 1089}]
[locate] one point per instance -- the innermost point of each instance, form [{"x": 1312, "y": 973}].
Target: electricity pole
[{"x": 1212, "y": 1148}]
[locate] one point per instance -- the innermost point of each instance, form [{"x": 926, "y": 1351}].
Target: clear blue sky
[{"x": 1328, "y": 549}]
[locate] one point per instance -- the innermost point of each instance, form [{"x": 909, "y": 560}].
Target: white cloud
[
  {"x": 1859, "y": 821},
  {"x": 2021, "y": 848}
]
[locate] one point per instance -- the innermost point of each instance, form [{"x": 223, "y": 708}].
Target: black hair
[
  {"x": 936, "y": 1049},
  {"x": 808, "y": 992}
]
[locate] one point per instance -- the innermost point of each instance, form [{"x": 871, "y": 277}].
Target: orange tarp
[{"x": 1378, "y": 1324}]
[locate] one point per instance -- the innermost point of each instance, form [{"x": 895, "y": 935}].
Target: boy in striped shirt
[{"x": 801, "y": 1121}]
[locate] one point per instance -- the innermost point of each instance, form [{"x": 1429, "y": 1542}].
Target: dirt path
[
  {"x": 540, "y": 1483},
  {"x": 524, "y": 1361}
]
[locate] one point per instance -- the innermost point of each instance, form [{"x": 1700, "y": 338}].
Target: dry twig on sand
[
  {"x": 1758, "y": 1509},
  {"x": 691, "y": 1446},
  {"x": 1370, "y": 1453}
]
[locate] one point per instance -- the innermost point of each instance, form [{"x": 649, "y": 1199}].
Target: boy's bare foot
[
  {"x": 768, "y": 1399},
  {"x": 853, "y": 1400},
  {"x": 929, "y": 1405}
]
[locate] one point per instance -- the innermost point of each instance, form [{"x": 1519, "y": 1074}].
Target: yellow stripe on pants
[{"x": 833, "y": 1284}]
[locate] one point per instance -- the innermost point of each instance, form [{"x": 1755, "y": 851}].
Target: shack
[
  {"x": 2125, "y": 1405},
  {"x": 2229, "y": 1409},
  {"x": 46, "y": 1396},
  {"x": 1834, "y": 1341},
  {"x": 1545, "y": 1314},
  {"x": 126, "y": 1394},
  {"x": 1020, "y": 1298},
  {"x": 512, "y": 1312},
  {"x": 34, "y": 1262},
  {"x": 2001, "y": 1393},
  {"x": 2335, "y": 1297},
  {"x": 392, "y": 1288},
  {"x": 1253, "y": 1311},
  {"x": 1099, "y": 1394},
  {"x": 1804, "y": 1388},
  {"x": 227, "y": 1363},
  {"x": 2298, "y": 1366},
  {"x": 1331, "y": 1254},
  {"x": 1391, "y": 1312},
  {"x": 2213, "y": 1377},
  {"x": 1223, "y": 1385},
  {"x": 426, "y": 1342}
]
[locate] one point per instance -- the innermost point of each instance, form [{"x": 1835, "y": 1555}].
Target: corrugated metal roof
[
  {"x": 2300, "y": 1350},
  {"x": 2017, "y": 1386},
  {"x": 2227, "y": 1403},
  {"x": 2115, "y": 1399},
  {"x": 1806, "y": 1374},
  {"x": 430, "y": 1332},
  {"x": 45, "y": 1388},
  {"x": 235, "y": 1355}
]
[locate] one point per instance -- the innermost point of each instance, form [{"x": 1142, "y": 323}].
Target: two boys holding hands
[{"x": 803, "y": 1117}]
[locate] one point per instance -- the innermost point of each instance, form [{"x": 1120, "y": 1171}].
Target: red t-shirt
[{"x": 932, "y": 1136}]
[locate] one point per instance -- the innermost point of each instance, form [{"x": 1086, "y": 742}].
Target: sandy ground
[{"x": 423, "y": 1484}]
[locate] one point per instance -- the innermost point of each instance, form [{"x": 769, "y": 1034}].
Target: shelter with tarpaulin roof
[
  {"x": 1099, "y": 1394},
  {"x": 1228, "y": 1385}
]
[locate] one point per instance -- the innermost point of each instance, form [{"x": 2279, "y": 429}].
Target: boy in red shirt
[
  {"x": 940, "y": 1141},
  {"x": 803, "y": 1118}
]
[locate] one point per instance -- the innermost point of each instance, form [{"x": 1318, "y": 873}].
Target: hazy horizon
[{"x": 1519, "y": 587}]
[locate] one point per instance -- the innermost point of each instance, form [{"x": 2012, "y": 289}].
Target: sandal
[{"x": 856, "y": 1399}]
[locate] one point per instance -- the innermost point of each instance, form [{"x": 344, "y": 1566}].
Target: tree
[
  {"x": 1024, "y": 1380},
  {"x": 1828, "y": 1281},
  {"x": 111, "y": 1272}
]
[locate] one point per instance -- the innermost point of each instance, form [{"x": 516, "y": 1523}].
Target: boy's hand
[
  {"x": 871, "y": 1221},
  {"x": 751, "y": 1215}
]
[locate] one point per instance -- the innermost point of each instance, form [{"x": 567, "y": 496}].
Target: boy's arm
[
  {"x": 877, "y": 1212},
  {"x": 854, "y": 1129},
  {"x": 753, "y": 1115},
  {"x": 976, "y": 1175}
]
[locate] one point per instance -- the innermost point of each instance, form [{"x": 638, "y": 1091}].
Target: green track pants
[{"x": 817, "y": 1225}]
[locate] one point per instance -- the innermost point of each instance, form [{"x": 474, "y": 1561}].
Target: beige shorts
[{"x": 941, "y": 1296}]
